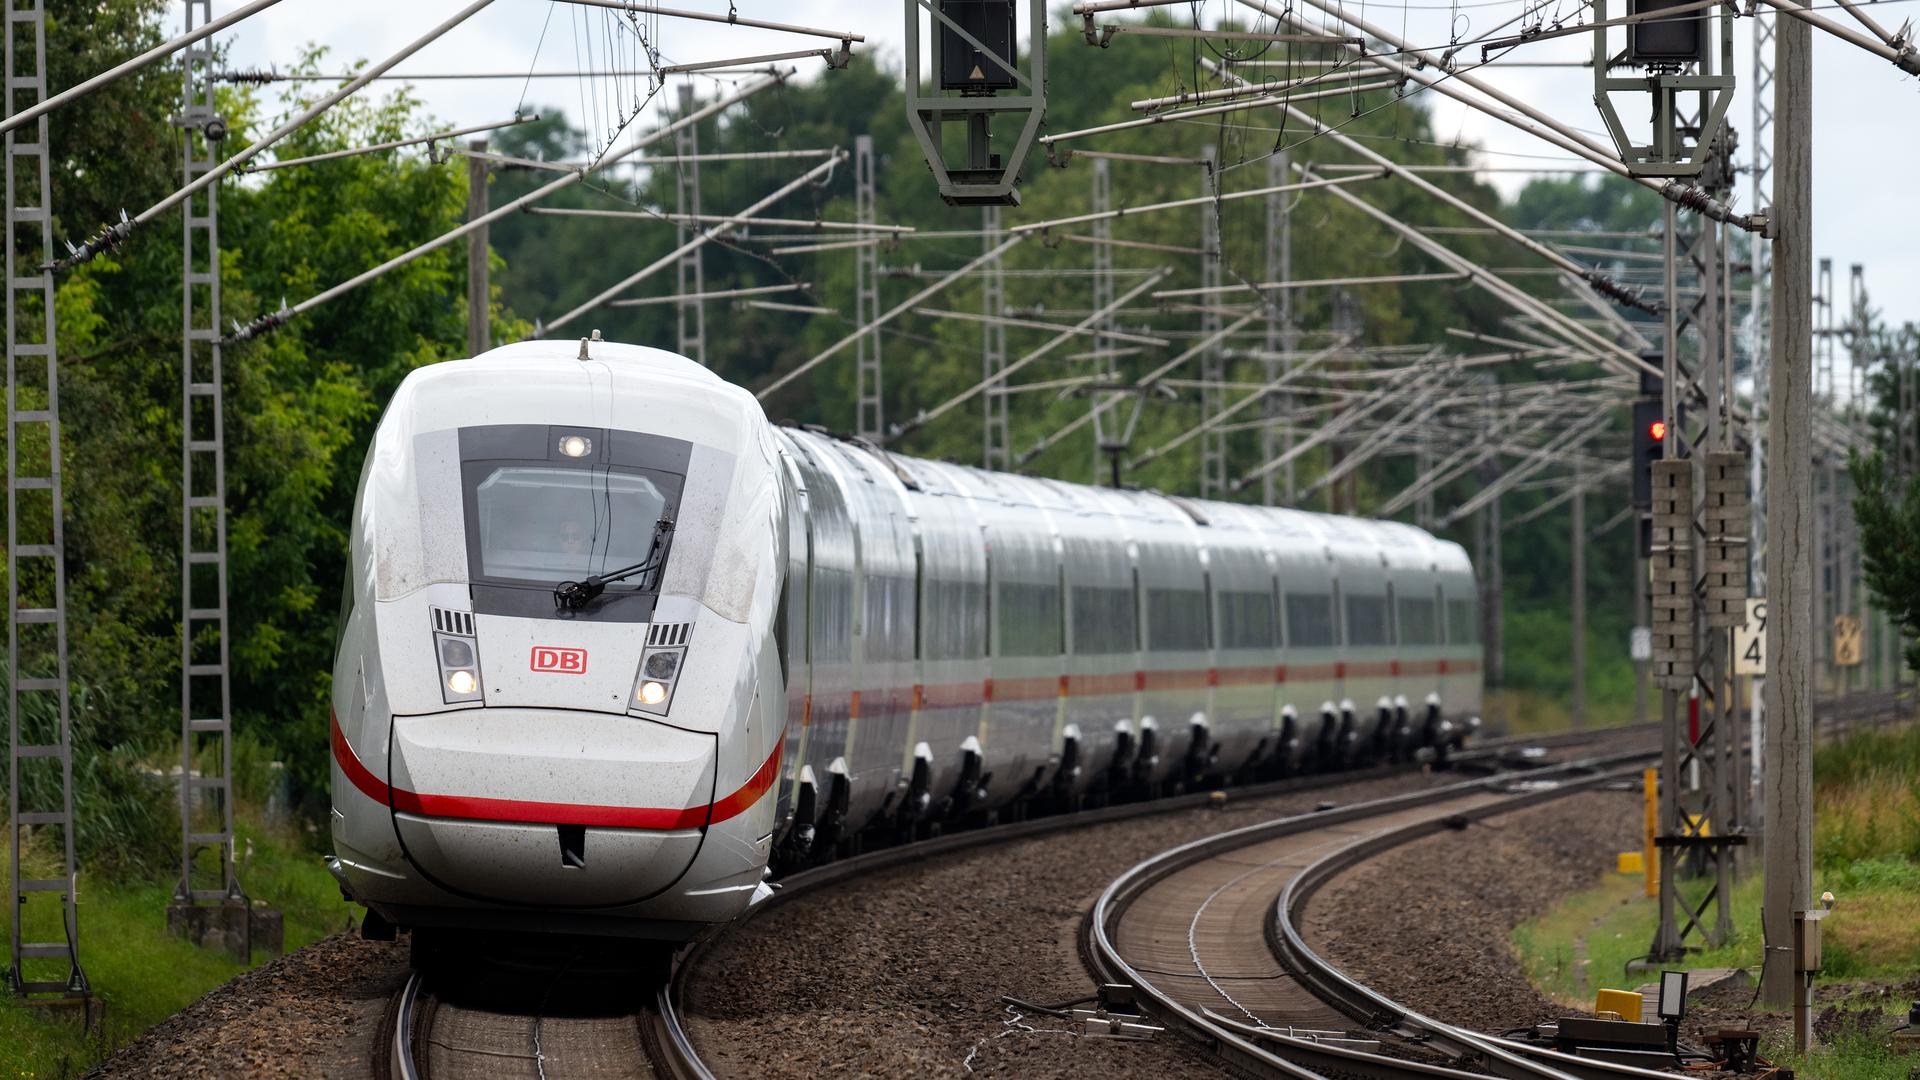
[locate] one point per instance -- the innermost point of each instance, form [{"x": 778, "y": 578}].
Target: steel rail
[
  {"x": 809, "y": 881},
  {"x": 401, "y": 1063},
  {"x": 1237, "y": 1047},
  {"x": 1502, "y": 1057}
]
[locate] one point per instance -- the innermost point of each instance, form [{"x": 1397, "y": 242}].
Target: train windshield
[{"x": 538, "y": 523}]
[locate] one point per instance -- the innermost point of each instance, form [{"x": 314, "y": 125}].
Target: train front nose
[{"x": 550, "y": 807}]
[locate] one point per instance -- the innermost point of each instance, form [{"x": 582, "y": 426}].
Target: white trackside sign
[{"x": 1750, "y": 641}]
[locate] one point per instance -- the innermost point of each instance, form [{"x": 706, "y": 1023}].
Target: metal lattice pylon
[
  {"x": 993, "y": 345},
  {"x": 691, "y": 272},
  {"x": 1760, "y": 252},
  {"x": 40, "y": 733},
  {"x": 206, "y": 706},
  {"x": 1213, "y": 363},
  {"x": 1275, "y": 437},
  {"x": 871, "y": 422},
  {"x": 1103, "y": 346}
]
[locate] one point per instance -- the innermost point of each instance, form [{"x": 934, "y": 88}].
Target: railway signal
[{"x": 974, "y": 56}]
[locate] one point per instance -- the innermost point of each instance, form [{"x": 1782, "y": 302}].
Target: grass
[
  {"x": 1856, "y": 1057},
  {"x": 1866, "y": 852},
  {"x": 1528, "y": 712},
  {"x": 142, "y": 973}
]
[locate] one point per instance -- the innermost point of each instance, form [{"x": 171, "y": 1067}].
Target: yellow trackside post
[{"x": 1650, "y": 780}]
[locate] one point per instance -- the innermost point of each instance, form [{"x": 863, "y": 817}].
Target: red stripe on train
[{"x": 476, "y": 808}]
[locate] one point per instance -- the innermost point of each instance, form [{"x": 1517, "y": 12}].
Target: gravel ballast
[
  {"x": 1429, "y": 923},
  {"x": 901, "y": 972},
  {"x": 898, "y": 972},
  {"x": 311, "y": 1013}
]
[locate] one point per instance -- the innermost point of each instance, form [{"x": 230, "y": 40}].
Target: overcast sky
[{"x": 1866, "y": 112}]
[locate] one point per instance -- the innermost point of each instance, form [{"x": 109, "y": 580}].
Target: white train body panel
[{"x": 855, "y": 642}]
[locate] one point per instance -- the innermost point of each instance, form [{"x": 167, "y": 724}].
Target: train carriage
[{"x": 612, "y": 645}]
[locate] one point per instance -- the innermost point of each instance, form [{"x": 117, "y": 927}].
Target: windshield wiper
[{"x": 574, "y": 595}]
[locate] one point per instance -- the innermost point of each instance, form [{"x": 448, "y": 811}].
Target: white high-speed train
[{"x": 611, "y": 644}]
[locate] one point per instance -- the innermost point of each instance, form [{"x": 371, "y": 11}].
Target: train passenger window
[
  {"x": 1029, "y": 617},
  {"x": 1246, "y": 620},
  {"x": 1309, "y": 620},
  {"x": 1418, "y": 623},
  {"x": 953, "y": 619},
  {"x": 1103, "y": 620},
  {"x": 1463, "y": 622},
  {"x": 1177, "y": 619},
  {"x": 1367, "y": 621}
]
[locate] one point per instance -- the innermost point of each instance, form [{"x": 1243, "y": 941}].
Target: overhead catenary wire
[
  {"x": 158, "y": 52},
  {"x": 112, "y": 236},
  {"x": 1592, "y": 276},
  {"x": 708, "y": 219},
  {"x": 717, "y": 294},
  {"x": 1492, "y": 283},
  {"x": 278, "y": 318},
  {"x": 927, "y": 416},
  {"x": 1434, "y": 73},
  {"x": 395, "y": 144},
  {"x": 731, "y": 18},
  {"x": 1298, "y": 370},
  {"x": 945, "y": 282},
  {"x": 699, "y": 240},
  {"x": 1060, "y": 433},
  {"x": 1198, "y": 200},
  {"x": 1035, "y": 324},
  {"x": 1311, "y": 283}
]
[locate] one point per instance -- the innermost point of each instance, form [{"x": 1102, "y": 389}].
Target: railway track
[
  {"x": 1490, "y": 755},
  {"x": 442, "y": 1035},
  {"x": 1205, "y": 934},
  {"x": 436, "y": 1034}
]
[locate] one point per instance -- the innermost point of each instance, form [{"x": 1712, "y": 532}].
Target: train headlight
[
  {"x": 653, "y": 683},
  {"x": 576, "y": 445},
  {"x": 458, "y": 656}
]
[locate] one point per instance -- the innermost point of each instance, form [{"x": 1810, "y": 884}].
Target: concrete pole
[
  {"x": 1642, "y": 618},
  {"x": 479, "y": 336},
  {"x": 1579, "y": 600},
  {"x": 1787, "y": 777}
]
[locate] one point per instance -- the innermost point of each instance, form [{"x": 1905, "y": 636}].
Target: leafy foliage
[{"x": 1886, "y": 501}]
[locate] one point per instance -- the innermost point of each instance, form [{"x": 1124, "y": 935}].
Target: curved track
[
  {"x": 503, "y": 1027},
  {"x": 441, "y": 1035},
  {"x": 1487, "y": 756},
  {"x": 1205, "y": 933}
]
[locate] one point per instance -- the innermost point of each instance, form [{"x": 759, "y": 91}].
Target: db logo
[{"x": 564, "y": 661}]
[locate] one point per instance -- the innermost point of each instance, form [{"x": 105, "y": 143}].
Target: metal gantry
[
  {"x": 690, "y": 270},
  {"x": 39, "y": 721},
  {"x": 870, "y": 421},
  {"x": 206, "y": 707}
]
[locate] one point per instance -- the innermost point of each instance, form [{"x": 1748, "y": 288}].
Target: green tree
[{"x": 1886, "y": 501}]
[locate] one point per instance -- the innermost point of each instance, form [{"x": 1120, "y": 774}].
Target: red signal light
[{"x": 1658, "y": 430}]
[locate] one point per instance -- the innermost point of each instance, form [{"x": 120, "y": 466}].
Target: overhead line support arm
[
  {"x": 112, "y": 236},
  {"x": 276, "y": 319}
]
